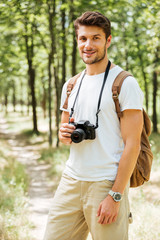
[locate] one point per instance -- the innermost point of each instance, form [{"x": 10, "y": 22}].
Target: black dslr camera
[{"x": 84, "y": 130}]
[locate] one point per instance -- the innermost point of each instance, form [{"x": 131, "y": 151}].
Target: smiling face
[{"x": 92, "y": 44}]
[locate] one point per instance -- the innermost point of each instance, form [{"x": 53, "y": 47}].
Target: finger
[
  {"x": 107, "y": 220},
  {"x": 114, "y": 218},
  {"x": 99, "y": 210},
  {"x": 66, "y": 130},
  {"x": 110, "y": 220},
  {"x": 68, "y": 125},
  {"x": 101, "y": 218},
  {"x": 106, "y": 217},
  {"x": 66, "y": 135},
  {"x": 104, "y": 220},
  {"x": 72, "y": 119}
]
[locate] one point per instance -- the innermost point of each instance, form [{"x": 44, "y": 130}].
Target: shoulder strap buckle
[{"x": 115, "y": 96}]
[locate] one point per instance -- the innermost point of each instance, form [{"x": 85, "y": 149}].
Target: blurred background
[{"x": 38, "y": 53}]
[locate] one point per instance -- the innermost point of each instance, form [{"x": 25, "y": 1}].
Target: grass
[
  {"x": 145, "y": 201},
  {"x": 146, "y": 218},
  {"x": 13, "y": 202},
  {"x": 56, "y": 157},
  {"x": 155, "y": 145}
]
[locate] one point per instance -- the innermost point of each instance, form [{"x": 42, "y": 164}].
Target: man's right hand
[{"x": 65, "y": 132}]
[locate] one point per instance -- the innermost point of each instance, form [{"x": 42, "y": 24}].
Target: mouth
[{"x": 88, "y": 53}]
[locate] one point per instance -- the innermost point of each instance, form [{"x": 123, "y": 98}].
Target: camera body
[{"x": 84, "y": 130}]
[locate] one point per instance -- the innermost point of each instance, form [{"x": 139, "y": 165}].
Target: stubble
[{"x": 97, "y": 58}]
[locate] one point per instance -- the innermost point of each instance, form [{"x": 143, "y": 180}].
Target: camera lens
[{"x": 78, "y": 135}]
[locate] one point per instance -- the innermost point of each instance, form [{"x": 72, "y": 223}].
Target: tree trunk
[
  {"x": 31, "y": 73},
  {"x": 50, "y": 99},
  {"x": 74, "y": 42},
  {"x": 6, "y": 103},
  {"x": 144, "y": 74},
  {"x": 14, "y": 98},
  {"x": 154, "y": 117},
  {"x": 74, "y": 55},
  {"x": 57, "y": 111},
  {"x": 140, "y": 55},
  {"x": 125, "y": 47},
  {"x": 21, "y": 97},
  {"x": 44, "y": 100},
  {"x": 63, "y": 46},
  {"x": 145, "y": 86},
  {"x": 28, "y": 101},
  {"x": 52, "y": 30},
  {"x": 51, "y": 17},
  {"x": 32, "y": 86},
  {"x": 155, "y": 88}
]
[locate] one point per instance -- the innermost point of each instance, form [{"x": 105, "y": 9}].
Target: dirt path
[{"x": 40, "y": 188}]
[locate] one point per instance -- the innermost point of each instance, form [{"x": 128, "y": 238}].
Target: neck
[{"x": 98, "y": 67}]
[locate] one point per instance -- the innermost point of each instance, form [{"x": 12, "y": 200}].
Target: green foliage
[
  {"x": 154, "y": 139},
  {"x": 135, "y": 44},
  {"x": 145, "y": 224},
  {"x": 145, "y": 203},
  {"x": 56, "y": 157},
  {"x": 13, "y": 203}
]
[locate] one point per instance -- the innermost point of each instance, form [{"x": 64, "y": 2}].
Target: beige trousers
[{"x": 74, "y": 208}]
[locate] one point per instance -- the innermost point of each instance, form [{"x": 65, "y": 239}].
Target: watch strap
[{"x": 117, "y": 196}]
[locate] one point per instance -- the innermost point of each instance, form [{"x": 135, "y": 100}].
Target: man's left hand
[{"x": 108, "y": 211}]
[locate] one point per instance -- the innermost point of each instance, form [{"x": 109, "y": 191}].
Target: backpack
[{"x": 141, "y": 172}]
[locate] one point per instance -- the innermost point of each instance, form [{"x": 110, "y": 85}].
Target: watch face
[{"x": 117, "y": 197}]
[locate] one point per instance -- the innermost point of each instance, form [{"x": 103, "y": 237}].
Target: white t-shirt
[{"x": 98, "y": 159}]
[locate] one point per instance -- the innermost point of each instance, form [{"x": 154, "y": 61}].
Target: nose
[{"x": 88, "y": 44}]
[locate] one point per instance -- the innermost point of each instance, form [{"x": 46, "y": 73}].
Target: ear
[{"x": 109, "y": 41}]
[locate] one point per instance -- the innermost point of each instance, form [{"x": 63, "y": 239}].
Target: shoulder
[
  {"x": 130, "y": 83},
  {"x": 73, "y": 79},
  {"x": 71, "y": 82},
  {"x": 131, "y": 95}
]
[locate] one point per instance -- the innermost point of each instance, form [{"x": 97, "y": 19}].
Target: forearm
[
  {"x": 126, "y": 165},
  {"x": 108, "y": 208}
]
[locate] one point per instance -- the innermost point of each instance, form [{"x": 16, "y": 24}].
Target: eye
[
  {"x": 83, "y": 39},
  {"x": 96, "y": 37}
]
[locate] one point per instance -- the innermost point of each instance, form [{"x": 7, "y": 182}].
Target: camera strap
[
  {"x": 100, "y": 95},
  {"x": 72, "y": 109}
]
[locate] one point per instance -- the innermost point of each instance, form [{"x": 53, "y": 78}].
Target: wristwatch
[{"x": 117, "y": 197}]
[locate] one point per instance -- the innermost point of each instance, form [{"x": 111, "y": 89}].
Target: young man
[{"x": 93, "y": 192}]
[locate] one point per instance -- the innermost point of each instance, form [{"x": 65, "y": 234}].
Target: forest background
[{"x": 38, "y": 53}]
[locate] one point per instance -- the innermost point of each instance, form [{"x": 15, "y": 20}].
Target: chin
[{"x": 88, "y": 61}]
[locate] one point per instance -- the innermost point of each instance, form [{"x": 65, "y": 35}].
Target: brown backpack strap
[
  {"x": 116, "y": 88},
  {"x": 70, "y": 86}
]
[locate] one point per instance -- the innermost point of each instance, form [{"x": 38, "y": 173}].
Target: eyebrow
[{"x": 93, "y": 35}]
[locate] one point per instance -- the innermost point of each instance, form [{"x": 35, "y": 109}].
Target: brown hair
[{"x": 93, "y": 19}]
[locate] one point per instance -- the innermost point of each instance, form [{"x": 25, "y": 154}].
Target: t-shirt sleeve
[
  {"x": 63, "y": 97},
  {"x": 131, "y": 96}
]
